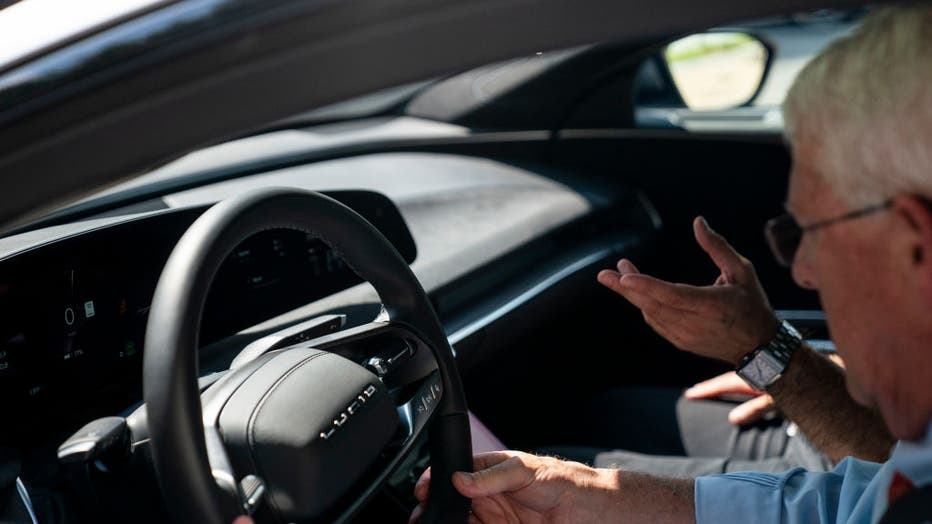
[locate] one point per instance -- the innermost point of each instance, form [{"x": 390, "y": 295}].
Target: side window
[{"x": 733, "y": 79}]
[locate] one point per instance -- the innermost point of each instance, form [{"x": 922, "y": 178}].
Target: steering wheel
[{"x": 303, "y": 433}]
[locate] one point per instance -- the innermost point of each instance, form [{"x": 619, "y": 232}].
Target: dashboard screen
[{"x": 271, "y": 272}]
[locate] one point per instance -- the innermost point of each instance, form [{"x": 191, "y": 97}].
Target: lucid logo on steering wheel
[{"x": 350, "y": 410}]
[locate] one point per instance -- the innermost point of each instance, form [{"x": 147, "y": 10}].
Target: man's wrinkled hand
[
  {"x": 725, "y": 320},
  {"x": 731, "y": 385},
  {"x": 515, "y": 487}
]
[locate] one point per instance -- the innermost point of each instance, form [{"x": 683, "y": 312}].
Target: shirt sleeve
[{"x": 795, "y": 497}]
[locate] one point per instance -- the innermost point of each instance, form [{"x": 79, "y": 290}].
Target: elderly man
[{"x": 859, "y": 230}]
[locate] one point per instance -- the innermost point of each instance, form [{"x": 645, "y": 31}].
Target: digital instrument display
[
  {"x": 272, "y": 272},
  {"x": 73, "y": 313}
]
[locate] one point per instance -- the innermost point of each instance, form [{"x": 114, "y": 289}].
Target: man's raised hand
[{"x": 725, "y": 320}]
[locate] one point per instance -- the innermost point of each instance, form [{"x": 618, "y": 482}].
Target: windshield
[{"x": 524, "y": 93}]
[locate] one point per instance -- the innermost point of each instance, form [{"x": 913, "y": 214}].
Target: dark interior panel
[{"x": 737, "y": 184}]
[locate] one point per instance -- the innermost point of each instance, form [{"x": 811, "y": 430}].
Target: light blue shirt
[{"x": 855, "y": 492}]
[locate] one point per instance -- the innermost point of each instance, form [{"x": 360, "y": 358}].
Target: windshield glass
[{"x": 533, "y": 92}]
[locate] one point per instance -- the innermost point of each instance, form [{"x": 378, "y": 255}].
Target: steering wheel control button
[
  {"x": 378, "y": 365},
  {"x": 428, "y": 396},
  {"x": 251, "y": 490},
  {"x": 385, "y": 363}
]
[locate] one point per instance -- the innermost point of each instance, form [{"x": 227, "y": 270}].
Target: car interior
[{"x": 505, "y": 183}]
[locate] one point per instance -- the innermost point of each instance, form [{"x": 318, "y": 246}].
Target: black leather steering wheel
[{"x": 317, "y": 432}]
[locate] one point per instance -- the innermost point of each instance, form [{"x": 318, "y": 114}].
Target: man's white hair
[{"x": 867, "y": 102}]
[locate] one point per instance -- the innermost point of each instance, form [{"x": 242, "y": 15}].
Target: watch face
[
  {"x": 767, "y": 364},
  {"x": 762, "y": 370}
]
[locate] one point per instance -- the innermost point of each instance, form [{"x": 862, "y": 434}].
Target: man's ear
[{"x": 916, "y": 214}]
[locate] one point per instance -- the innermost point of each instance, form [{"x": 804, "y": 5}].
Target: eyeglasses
[{"x": 784, "y": 233}]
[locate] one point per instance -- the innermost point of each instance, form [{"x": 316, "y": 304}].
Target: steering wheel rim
[{"x": 170, "y": 374}]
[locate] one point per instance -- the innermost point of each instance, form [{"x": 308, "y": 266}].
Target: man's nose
[{"x": 803, "y": 274}]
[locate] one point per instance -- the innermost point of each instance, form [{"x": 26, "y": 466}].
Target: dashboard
[
  {"x": 73, "y": 313},
  {"x": 489, "y": 237},
  {"x": 495, "y": 241}
]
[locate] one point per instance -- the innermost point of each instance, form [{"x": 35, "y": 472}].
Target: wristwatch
[{"x": 763, "y": 366}]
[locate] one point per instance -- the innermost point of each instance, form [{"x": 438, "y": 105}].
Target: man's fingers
[
  {"x": 416, "y": 514},
  {"x": 662, "y": 318},
  {"x": 509, "y": 475},
  {"x": 613, "y": 280},
  {"x": 626, "y": 266},
  {"x": 491, "y": 509},
  {"x": 725, "y": 384},
  {"x": 480, "y": 461},
  {"x": 610, "y": 279},
  {"x": 422, "y": 486},
  {"x": 676, "y": 296},
  {"x": 488, "y": 459},
  {"x": 719, "y": 250},
  {"x": 628, "y": 280},
  {"x": 752, "y": 410},
  {"x": 650, "y": 306}
]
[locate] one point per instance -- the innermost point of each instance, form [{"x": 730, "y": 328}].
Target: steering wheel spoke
[{"x": 392, "y": 352}]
